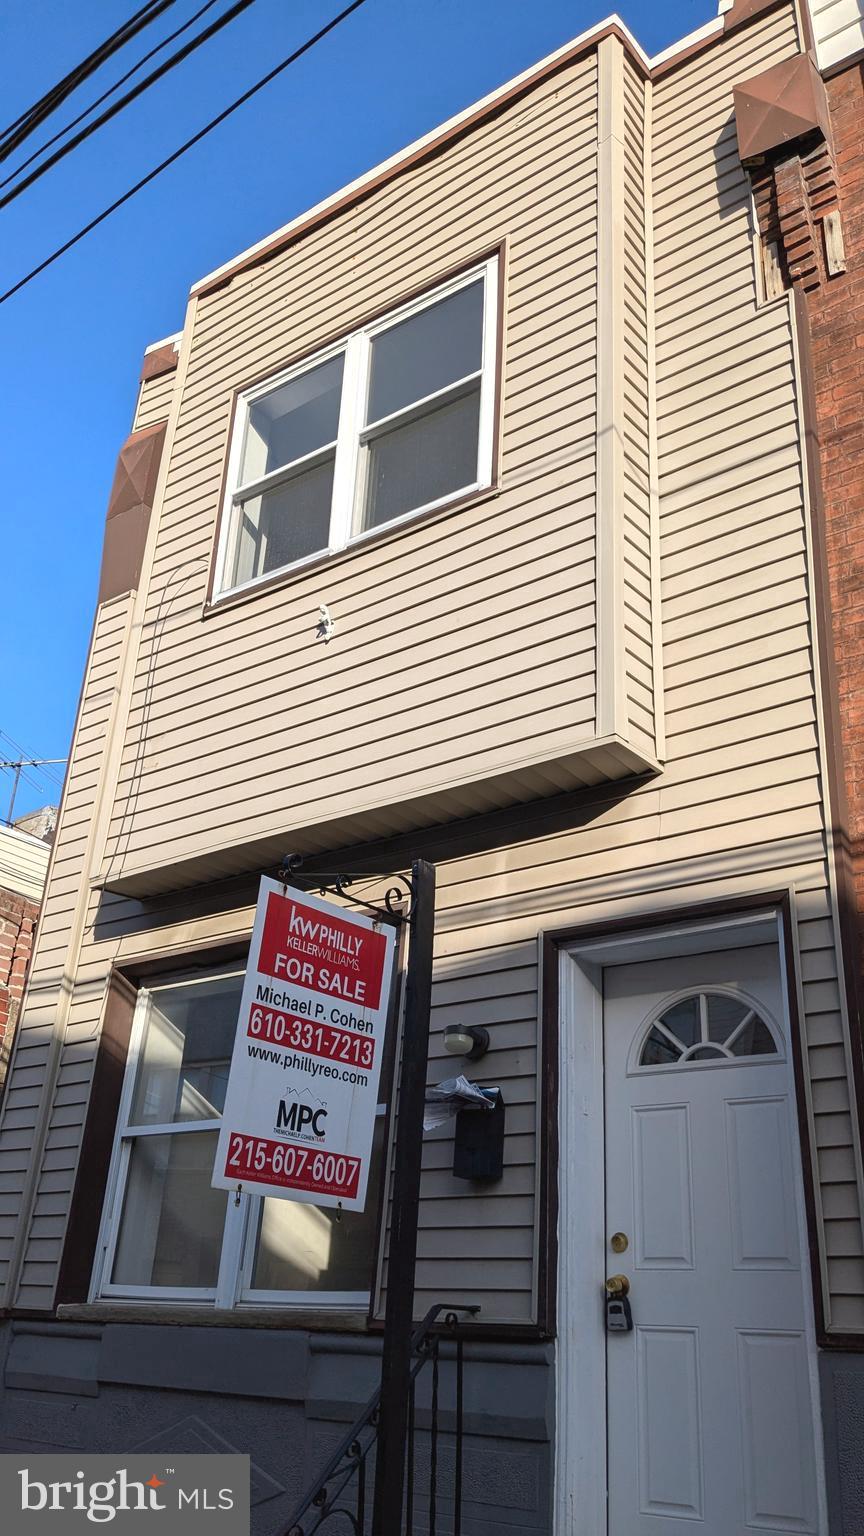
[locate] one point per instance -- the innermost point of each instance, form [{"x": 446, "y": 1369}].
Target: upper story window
[
  {"x": 394, "y": 420},
  {"x": 167, "y": 1235}
]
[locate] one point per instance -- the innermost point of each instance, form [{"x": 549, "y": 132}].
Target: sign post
[
  {"x": 303, "y": 1084},
  {"x": 399, "y": 1312}
]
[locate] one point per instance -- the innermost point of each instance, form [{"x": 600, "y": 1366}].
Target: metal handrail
[{"x": 350, "y": 1455}]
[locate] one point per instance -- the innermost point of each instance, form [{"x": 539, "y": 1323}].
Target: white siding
[
  {"x": 838, "y": 27},
  {"x": 23, "y": 863}
]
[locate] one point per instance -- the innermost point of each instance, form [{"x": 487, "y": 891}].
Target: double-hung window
[
  {"x": 394, "y": 420},
  {"x": 166, "y": 1234}
]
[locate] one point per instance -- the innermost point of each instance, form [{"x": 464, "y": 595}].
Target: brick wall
[
  {"x": 836, "y": 313},
  {"x": 17, "y": 924}
]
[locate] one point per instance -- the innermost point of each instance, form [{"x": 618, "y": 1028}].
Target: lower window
[{"x": 166, "y": 1233}]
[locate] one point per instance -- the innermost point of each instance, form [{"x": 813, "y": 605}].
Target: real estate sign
[{"x": 303, "y": 1085}]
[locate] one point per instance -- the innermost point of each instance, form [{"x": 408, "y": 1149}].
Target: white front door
[{"x": 710, "y": 1409}]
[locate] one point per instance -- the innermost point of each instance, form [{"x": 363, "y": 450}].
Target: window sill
[
  {"x": 334, "y": 558},
  {"x": 312, "y": 1319}
]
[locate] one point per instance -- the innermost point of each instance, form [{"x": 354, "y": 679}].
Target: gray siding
[{"x": 58, "y": 992}]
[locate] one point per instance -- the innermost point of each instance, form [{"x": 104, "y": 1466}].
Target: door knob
[{"x": 617, "y": 1285}]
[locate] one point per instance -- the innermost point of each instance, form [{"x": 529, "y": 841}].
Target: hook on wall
[{"x": 326, "y": 626}]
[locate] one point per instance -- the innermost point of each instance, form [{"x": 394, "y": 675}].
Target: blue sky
[{"x": 71, "y": 342}]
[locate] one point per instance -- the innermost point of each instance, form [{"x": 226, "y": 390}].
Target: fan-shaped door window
[{"x": 705, "y": 1027}]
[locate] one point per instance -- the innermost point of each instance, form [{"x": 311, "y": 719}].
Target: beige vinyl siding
[
  {"x": 738, "y": 809},
  {"x": 626, "y": 858},
  {"x": 748, "y": 825},
  {"x": 154, "y": 400},
  {"x": 838, "y": 27},
  {"x": 637, "y": 424},
  {"x": 52, "y": 976},
  {"x": 738, "y": 681},
  {"x": 427, "y": 622}
]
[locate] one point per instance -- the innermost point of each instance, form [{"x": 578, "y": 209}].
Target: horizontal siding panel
[
  {"x": 718, "y": 355},
  {"x": 689, "y": 529},
  {"x": 566, "y": 718},
  {"x": 403, "y": 235},
  {"x": 330, "y": 705},
  {"x": 683, "y": 97},
  {"x": 366, "y": 577},
  {"x": 45, "y": 991},
  {"x": 154, "y": 400},
  {"x": 736, "y": 623}
]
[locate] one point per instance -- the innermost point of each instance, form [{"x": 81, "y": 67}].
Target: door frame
[{"x": 573, "y": 975}]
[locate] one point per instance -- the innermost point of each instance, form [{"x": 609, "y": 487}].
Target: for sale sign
[{"x": 303, "y": 1086}]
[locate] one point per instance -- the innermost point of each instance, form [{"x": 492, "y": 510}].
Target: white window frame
[
  {"x": 233, "y": 1289},
  {"x": 353, "y": 432}
]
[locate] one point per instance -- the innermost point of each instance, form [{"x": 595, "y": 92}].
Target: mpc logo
[
  {"x": 299, "y": 1117},
  {"x": 188, "y": 1496}
]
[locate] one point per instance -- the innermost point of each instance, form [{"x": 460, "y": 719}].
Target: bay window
[
  {"x": 393, "y": 420},
  {"x": 166, "y": 1234}
]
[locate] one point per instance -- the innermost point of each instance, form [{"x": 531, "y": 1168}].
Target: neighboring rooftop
[{"x": 40, "y": 823}]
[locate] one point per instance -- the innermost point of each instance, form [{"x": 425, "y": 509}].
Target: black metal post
[
  {"x": 457, "y": 1493},
  {"x": 398, "y": 1316}
]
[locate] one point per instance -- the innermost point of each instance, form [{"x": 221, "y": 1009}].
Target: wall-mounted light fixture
[{"x": 469, "y": 1040}]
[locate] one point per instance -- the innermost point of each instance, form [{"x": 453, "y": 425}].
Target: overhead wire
[
  {"x": 116, "y": 107},
  {"x": 29, "y": 120},
  {"x": 28, "y": 112},
  {"x": 145, "y": 59},
  {"x": 189, "y": 144}
]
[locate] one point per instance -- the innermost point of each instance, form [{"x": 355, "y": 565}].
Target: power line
[
  {"x": 27, "y": 115},
  {"x": 24, "y": 125},
  {"x": 196, "y": 139},
  {"x": 145, "y": 59},
  {"x": 137, "y": 90}
]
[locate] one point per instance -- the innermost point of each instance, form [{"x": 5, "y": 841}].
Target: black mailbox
[{"x": 478, "y": 1149}]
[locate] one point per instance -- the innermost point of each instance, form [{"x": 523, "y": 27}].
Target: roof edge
[
  {"x": 429, "y": 143},
  {"x": 166, "y": 341}
]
